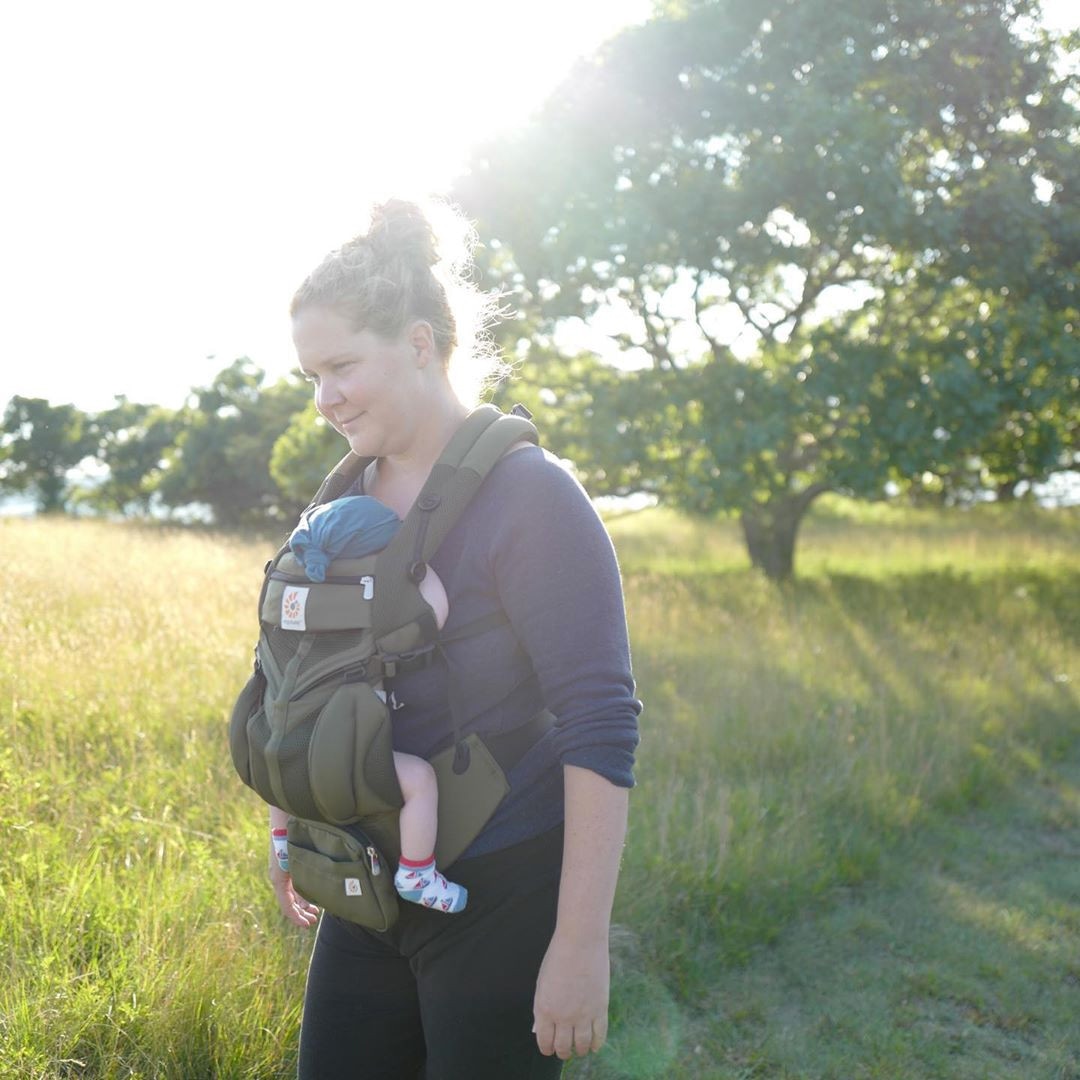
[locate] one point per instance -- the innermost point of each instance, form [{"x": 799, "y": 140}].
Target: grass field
[{"x": 810, "y": 755}]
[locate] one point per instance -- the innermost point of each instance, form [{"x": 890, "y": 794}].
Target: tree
[
  {"x": 783, "y": 215},
  {"x": 304, "y": 453},
  {"x": 39, "y": 444},
  {"x": 222, "y": 455},
  {"x": 131, "y": 443}
]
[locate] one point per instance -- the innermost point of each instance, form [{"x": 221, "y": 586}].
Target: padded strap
[
  {"x": 472, "y": 452},
  {"x": 342, "y": 477}
]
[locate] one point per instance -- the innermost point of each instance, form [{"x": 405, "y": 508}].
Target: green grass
[
  {"x": 961, "y": 962},
  {"x": 868, "y": 539},
  {"x": 803, "y": 748}
]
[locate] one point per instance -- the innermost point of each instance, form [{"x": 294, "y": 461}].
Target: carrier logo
[
  {"x": 293, "y": 605},
  {"x": 352, "y": 887}
]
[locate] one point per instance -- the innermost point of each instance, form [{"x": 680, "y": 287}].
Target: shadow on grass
[
  {"x": 959, "y": 685},
  {"x": 961, "y": 962}
]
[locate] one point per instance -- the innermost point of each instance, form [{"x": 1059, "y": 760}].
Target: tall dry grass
[{"x": 791, "y": 737}]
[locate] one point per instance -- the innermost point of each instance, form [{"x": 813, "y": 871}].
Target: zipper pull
[{"x": 373, "y": 858}]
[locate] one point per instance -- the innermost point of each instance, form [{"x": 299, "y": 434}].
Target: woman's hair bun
[
  {"x": 413, "y": 262},
  {"x": 400, "y": 229}
]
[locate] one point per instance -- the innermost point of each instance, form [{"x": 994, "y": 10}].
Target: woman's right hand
[{"x": 294, "y": 907}]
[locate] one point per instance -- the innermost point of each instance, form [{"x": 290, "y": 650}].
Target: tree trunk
[
  {"x": 770, "y": 531},
  {"x": 51, "y": 492},
  {"x": 1006, "y": 491}
]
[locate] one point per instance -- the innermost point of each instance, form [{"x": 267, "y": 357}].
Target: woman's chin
[{"x": 360, "y": 446}]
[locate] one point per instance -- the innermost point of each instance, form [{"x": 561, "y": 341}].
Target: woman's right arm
[{"x": 293, "y": 906}]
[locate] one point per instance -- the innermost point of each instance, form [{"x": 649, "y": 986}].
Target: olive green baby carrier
[{"x": 311, "y": 730}]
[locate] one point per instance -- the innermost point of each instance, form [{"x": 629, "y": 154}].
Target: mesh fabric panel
[
  {"x": 379, "y": 772},
  {"x": 335, "y": 641},
  {"x": 259, "y": 736},
  {"x": 292, "y": 760},
  {"x": 282, "y": 643}
]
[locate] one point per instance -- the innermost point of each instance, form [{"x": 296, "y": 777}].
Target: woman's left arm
[{"x": 570, "y": 1009}]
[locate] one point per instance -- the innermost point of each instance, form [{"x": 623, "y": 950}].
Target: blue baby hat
[{"x": 346, "y": 528}]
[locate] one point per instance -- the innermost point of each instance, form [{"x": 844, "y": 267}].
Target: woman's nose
[{"x": 327, "y": 395}]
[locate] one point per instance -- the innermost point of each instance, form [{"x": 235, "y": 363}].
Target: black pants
[{"x": 442, "y": 997}]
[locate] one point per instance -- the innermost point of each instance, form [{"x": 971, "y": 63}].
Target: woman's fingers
[
  {"x": 599, "y": 1034},
  {"x": 583, "y": 1039},
  {"x": 293, "y": 906},
  {"x": 545, "y": 1037},
  {"x": 300, "y": 911},
  {"x": 565, "y": 1040}
]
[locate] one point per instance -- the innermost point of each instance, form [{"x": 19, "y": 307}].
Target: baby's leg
[
  {"x": 417, "y": 879},
  {"x": 419, "y": 815}
]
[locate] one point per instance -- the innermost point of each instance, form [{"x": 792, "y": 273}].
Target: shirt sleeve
[{"x": 558, "y": 581}]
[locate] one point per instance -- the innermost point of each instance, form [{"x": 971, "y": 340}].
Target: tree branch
[
  {"x": 714, "y": 343},
  {"x": 657, "y": 347},
  {"x": 746, "y": 311}
]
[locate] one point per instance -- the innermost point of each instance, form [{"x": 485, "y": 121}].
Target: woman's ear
[{"x": 421, "y": 338}]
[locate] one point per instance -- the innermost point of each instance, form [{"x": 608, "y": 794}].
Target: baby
[{"x": 351, "y": 528}]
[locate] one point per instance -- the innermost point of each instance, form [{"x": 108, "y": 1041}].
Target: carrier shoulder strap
[
  {"x": 481, "y": 440},
  {"x": 340, "y": 478}
]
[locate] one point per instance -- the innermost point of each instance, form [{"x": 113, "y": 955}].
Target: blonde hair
[{"x": 413, "y": 262}]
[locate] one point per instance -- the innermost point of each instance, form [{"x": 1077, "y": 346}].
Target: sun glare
[{"x": 182, "y": 168}]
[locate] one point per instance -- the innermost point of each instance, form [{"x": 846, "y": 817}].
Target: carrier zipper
[
  {"x": 373, "y": 858},
  {"x": 367, "y": 580}
]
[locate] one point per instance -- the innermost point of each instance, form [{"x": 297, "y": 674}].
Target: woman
[{"x": 519, "y": 979}]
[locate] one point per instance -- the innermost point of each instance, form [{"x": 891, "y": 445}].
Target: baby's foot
[{"x": 421, "y": 883}]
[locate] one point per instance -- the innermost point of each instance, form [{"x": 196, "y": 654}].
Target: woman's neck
[{"x": 397, "y": 479}]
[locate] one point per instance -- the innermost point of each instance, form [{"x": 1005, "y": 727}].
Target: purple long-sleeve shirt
[{"x": 531, "y": 545}]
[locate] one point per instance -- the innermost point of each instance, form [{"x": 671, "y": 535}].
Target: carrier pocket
[
  {"x": 350, "y": 759},
  {"x": 342, "y": 872},
  {"x": 471, "y": 786},
  {"x": 249, "y": 699}
]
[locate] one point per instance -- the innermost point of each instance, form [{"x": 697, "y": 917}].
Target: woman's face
[{"x": 369, "y": 389}]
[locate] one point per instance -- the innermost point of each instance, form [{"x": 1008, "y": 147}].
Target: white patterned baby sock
[{"x": 421, "y": 883}]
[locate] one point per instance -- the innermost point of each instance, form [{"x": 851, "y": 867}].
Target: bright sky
[{"x": 172, "y": 172}]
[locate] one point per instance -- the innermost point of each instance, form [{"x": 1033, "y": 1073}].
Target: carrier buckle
[
  {"x": 417, "y": 659},
  {"x": 364, "y": 671}
]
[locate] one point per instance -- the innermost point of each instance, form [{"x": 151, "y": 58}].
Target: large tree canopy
[
  {"x": 838, "y": 240},
  {"x": 39, "y": 445},
  {"x": 131, "y": 441},
  {"x": 305, "y": 452},
  {"x": 222, "y": 455}
]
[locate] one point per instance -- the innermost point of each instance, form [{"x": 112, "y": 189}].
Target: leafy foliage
[
  {"x": 39, "y": 444},
  {"x": 304, "y": 453},
  {"x": 222, "y": 455},
  {"x": 131, "y": 443},
  {"x": 837, "y": 241}
]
